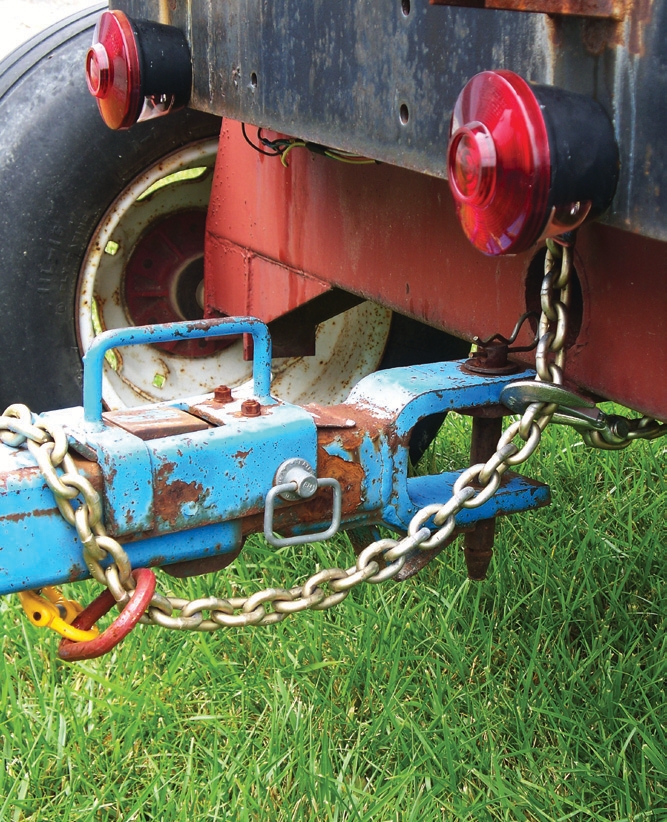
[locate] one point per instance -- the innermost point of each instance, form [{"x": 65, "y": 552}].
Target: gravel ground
[{"x": 20, "y": 19}]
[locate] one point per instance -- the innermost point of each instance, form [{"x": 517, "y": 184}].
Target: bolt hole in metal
[
  {"x": 404, "y": 114},
  {"x": 533, "y": 285},
  {"x": 405, "y": 7},
  {"x": 253, "y": 79},
  {"x": 161, "y": 213}
]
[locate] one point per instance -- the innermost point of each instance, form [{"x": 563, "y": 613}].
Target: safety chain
[
  {"x": 643, "y": 428},
  {"x": 48, "y": 444}
]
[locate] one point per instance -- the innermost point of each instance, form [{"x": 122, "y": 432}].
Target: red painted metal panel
[
  {"x": 241, "y": 282},
  {"x": 391, "y": 235}
]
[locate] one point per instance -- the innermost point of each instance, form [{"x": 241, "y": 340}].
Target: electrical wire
[
  {"x": 283, "y": 146},
  {"x": 257, "y": 148},
  {"x": 286, "y": 151}
]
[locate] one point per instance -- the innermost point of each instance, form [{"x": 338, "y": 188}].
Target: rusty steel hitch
[{"x": 184, "y": 482}]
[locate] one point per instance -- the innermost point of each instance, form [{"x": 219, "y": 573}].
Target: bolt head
[
  {"x": 223, "y": 394},
  {"x": 251, "y": 408}
]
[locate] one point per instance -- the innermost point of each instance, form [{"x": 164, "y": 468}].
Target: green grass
[{"x": 536, "y": 695}]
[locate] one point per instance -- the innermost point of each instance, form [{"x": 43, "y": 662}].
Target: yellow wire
[
  {"x": 353, "y": 160},
  {"x": 295, "y": 144}
]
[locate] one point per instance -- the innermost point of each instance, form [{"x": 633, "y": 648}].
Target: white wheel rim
[{"x": 348, "y": 347}]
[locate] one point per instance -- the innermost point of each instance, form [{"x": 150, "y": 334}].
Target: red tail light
[
  {"x": 112, "y": 70},
  {"x": 527, "y": 161},
  {"x": 137, "y": 69}
]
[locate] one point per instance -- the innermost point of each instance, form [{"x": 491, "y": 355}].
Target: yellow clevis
[{"x": 48, "y": 608}]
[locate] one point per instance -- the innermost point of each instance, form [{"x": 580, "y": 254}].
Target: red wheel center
[{"x": 164, "y": 279}]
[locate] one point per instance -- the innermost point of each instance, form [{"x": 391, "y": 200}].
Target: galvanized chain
[
  {"x": 48, "y": 445},
  {"x": 643, "y": 428},
  {"x": 326, "y": 588}
]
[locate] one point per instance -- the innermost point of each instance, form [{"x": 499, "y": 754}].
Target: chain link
[
  {"x": 321, "y": 591},
  {"x": 326, "y": 588},
  {"x": 644, "y": 428}
]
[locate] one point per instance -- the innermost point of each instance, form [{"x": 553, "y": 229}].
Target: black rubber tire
[{"x": 60, "y": 169}]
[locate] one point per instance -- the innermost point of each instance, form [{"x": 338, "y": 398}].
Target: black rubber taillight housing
[
  {"x": 137, "y": 69},
  {"x": 527, "y": 161}
]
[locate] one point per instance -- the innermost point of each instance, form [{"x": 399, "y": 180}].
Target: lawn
[{"x": 536, "y": 695}]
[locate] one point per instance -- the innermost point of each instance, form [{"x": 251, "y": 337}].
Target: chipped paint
[{"x": 208, "y": 487}]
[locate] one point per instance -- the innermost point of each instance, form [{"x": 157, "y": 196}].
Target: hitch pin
[
  {"x": 48, "y": 608},
  {"x": 573, "y": 410}
]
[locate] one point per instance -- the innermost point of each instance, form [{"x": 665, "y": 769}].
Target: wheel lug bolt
[{"x": 251, "y": 408}]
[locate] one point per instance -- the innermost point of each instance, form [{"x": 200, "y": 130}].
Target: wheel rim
[{"x": 154, "y": 207}]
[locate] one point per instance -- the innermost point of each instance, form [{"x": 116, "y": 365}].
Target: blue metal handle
[{"x": 93, "y": 359}]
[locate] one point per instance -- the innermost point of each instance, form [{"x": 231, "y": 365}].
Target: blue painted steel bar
[
  {"x": 197, "y": 487},
  {"x": 54, "y": 554},
  {"x": 403, "y": 396},
  {"x": 93, "y": 360},
  {"x": 193, "y": 495}
]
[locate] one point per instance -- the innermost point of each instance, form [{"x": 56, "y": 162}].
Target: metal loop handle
[
  {"x": 302, "y": 539},
  {"x": 93, "y": 359}
]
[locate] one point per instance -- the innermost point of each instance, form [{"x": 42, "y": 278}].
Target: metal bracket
[
  {"x": 295, "y": 479},
  {"x": 93, "y": 359},
  {"x": 573, "y": 410}
]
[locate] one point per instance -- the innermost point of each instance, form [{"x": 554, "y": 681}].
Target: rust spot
[
  {"x": 92, "y": 472},
  {"x": 21, "y": 515},
  {"x": 580, "y": 8},
  {"x": 21, "y": 475},
  {"x": 328, "y": 417},
  {"x": 598, "y": 35},
  {"x": 396, "y": 442},
  {"x": 351, "y": 438},
  {"x": 76, "y": 572},
  {"x": 170, "y": 496},
  {"x": 241, "y": 455},
  {"x": 163, "y": 473},
  {"x": 350, "y": 475},
  {"x": 641, "y": 14}
]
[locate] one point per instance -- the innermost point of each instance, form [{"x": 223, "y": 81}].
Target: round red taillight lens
[
  {"x": 98, "y": 71},
  {"x": 527, "y": 161},
  {"x": 137, "y": 69},
  {"x": 472, "y": 164},
  {"x": 112, "y": 70},
  {"x": 499, "y": 162}
]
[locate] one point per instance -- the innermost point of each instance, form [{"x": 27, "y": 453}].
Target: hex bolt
[
  {"x": 251, "y": 408},
  {"x": 223, "y": 394}
]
